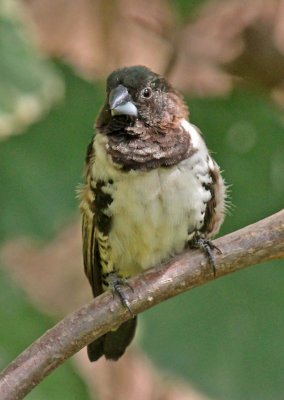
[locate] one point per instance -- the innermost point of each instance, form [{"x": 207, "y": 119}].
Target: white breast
[{"x": 153, "y": 212}]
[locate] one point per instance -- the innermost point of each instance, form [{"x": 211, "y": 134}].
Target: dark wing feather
[
  {"x": 215, "y": 208},
  {"x": 91, "y": 254}
]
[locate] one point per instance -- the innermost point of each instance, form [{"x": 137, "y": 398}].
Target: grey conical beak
[{"x": 121, "y": 103}]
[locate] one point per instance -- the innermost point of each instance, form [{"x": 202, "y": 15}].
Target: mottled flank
[
  {"x": 214, "y": 215},
  {"x": 100, "y": 205}
]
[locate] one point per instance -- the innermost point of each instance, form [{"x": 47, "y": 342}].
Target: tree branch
[{"x": 257, "y": 243}]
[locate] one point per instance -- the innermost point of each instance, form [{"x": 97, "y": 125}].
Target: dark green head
[
  {"x": 138, "y": 93},
  {"x": 137, "y": 78}
]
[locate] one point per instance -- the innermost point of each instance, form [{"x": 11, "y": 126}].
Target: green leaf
[
  {"x": 29, "y": 83},
  {"x": 41, "y": 169}
]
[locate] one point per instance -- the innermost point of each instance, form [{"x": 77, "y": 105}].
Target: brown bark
[{"x": 257, "y": 243}]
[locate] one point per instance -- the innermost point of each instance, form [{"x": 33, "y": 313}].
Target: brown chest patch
[{"x": 143, "y": 148}]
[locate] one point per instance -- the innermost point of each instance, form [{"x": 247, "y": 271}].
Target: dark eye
[{"x": 146, "y": 93}]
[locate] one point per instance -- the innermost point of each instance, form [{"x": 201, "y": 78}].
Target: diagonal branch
[{"x": 257, "y": 243}]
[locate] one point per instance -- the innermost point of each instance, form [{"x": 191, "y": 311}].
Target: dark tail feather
[
  {"x": 96, "y": 349},
  {"x": 113, "y": 344}
]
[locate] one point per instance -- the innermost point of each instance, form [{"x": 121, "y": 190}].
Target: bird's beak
[{"x": 121, "y": 103}]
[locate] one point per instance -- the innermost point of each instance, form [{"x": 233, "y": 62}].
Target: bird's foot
[
  {"x": 207, "y": 247},
  {"x": 117, "y": 283}
]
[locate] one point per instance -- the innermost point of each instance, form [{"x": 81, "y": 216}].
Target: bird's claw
[
  {"x": 117, "y": 283},
  {"x": 207, "y": 247}
]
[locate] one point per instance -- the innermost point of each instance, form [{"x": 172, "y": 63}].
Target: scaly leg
[
  {"x": 117, "y": 283},
  {"x": 207, "y": 247}
]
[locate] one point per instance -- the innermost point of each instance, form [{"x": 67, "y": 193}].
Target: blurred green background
[{"x": 227, "y": 337}]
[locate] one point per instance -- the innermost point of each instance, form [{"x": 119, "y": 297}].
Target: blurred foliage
[
  {"x": 41, "y": 169},
  {"x": 20, "y": 325},
  {"x": 226, "y": 337},
  {"x": 186, "y": 8},
  {"x": 29, "y": 83}
]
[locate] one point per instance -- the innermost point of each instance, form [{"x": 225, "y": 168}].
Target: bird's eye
[{"x": 146, "y": 93}]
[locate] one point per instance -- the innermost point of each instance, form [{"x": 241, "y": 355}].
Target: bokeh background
[{"x": 220, "y": 341}]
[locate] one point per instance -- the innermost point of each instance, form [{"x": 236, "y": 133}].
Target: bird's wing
[
  {"x": 91, "y": 256},
  {"x": 216, "y": 206}
]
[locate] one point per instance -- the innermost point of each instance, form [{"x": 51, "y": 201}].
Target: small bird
[{"x": 151, "y": 189}]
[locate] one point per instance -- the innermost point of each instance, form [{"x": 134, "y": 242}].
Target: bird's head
[
  {"x": 142, "y": 121},
  {"x": 137, "y": 93}
]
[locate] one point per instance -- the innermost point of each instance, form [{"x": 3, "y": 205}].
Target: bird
[{"x": 151, "y": 190}]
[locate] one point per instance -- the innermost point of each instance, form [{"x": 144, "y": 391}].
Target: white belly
[{"x": 152, "y": 213}]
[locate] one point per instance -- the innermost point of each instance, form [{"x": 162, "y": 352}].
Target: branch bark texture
[{"x": 257, "y": 243}]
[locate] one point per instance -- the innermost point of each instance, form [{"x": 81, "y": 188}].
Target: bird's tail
[{"x": 113, "y": 344}]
